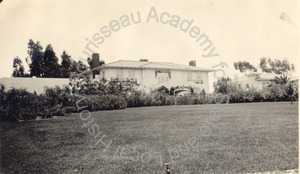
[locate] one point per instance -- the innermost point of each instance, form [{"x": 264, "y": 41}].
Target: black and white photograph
[{"x": 149, "y": 87}]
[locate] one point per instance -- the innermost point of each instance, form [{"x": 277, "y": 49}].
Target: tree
[
  {"x": 74, "y": 66},
  {"x": 281, "y": 80},
  {"x": 243, "y": 66},
  {"x": 50, "y": 67},
  {"x": 36, "y": 62},
  {"x": 66, "y": 65},
  {"x": 45, "y": 63},
  {"x": 221, "y": 86},
  {"x": 276, "y": 66},
  {"x": 80, "y": 66},
  {"x": 18, "y": 68},
  {"x": 280, "y": 87}
]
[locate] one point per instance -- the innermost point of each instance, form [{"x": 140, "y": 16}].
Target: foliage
[
  {"x": 274, "y": 92},
  {"x": 103, "y": 102},
  {"x": 35, "y": 61},
  {"x": 221, "y": 86},
  {"x": 137, "y": 99},
  {"x": 160, "y": 98},
  {"x": 59, "y": 96},
  {"x": 183, "y": 100},
  {"x": 67, "y": 65},
  {"x": 90, "y": 62},
  {"x": 18, "y": 104},
  {"x": 44, "y": 63},
  {"x": 51, "y": 66},
  {"x": 114, "y": 86},
  {"x": 163, "y": 89},
  {"x": 281, "y": 80},
  {"x": 243, "y": 66},
  {"x": 19, "y": 70},
  {"x": 276, "y": 66},
  {"x": 240, "y": 96}
]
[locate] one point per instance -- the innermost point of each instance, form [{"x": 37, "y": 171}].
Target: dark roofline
[{"x": 153, "y": 68}]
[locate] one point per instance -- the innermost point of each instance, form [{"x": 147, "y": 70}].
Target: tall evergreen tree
[
  {"x": 36, "y": 61},
  {"x": 66, "y": 65},
  {"x": 51, "y": 66}
]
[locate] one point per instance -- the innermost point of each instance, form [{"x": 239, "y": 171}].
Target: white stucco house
[
  {"x": 252, "y": 80},
  {"x": 255, "y": 80},
  {"x": 151, "y": 75}
]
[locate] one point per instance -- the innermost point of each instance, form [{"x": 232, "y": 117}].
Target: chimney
[
  {"x": 192, "y": 63},
  {"x": 95, "y": 60},
  {"x": 95, "y": 63}
]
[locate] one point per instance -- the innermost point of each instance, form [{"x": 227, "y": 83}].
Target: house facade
[
  {"x": 151, "y": 75},
  {"x": 252, "y": 80}
]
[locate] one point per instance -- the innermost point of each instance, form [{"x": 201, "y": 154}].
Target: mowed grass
[{"x": 249, "y": 137}]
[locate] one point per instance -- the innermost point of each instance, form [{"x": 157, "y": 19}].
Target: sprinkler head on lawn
[{"x": 168, "y": 169}]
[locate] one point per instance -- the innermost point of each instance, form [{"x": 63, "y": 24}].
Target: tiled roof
[{"x": 152, "y": 65}]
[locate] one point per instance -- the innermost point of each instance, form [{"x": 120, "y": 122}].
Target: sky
[{"x": 238, "y": 29}]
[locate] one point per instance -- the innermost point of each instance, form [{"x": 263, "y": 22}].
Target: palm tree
[
  {"x": 282, "y": 80},
  {"x": 280, "y": 87}
]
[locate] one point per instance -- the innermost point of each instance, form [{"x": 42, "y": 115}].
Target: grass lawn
[{"x": 248, "y": 137}]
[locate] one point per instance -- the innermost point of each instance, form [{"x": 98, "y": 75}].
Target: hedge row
[
  {"x": 157, "y": 98},
  {"x": 18, "y": 104}
]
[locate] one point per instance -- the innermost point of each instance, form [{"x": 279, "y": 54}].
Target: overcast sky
[{"x": 239, "y": 30}]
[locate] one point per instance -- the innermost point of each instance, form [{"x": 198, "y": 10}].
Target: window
[
  {"x": 247, "y": 85},
  {"x": 131, "y": 74},
  {"x": 264, "y": 83},
  {"x": 240, "y": 86},
  {"x": 162, "y": 77}
]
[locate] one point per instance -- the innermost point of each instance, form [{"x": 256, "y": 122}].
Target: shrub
[
  {"x": 147, "y": 100},
  {"x": 163, "y": 89},
  {"x": 135, "y": 99},
  {"x": 170, "y": 100},
  {"x": 159, "y": 98},
  {"x": 182, "y": 100},
  {"x": 103, "y": 102},
  {"x": 18, "y": 104}
]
